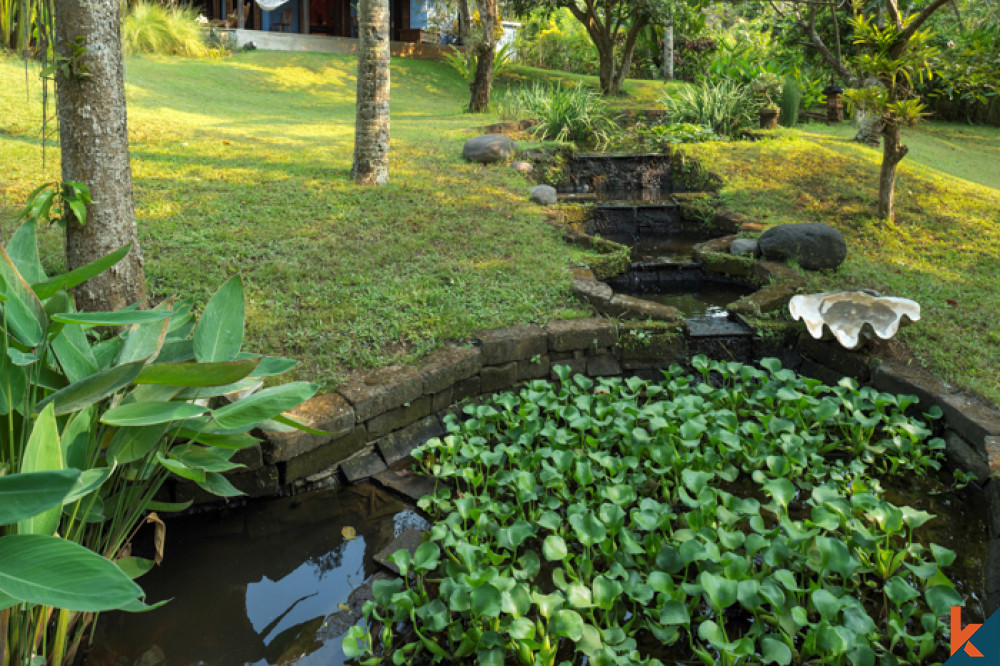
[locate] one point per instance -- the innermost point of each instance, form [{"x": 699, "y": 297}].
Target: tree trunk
[
  {"x": 668, "y": 52},
  {"x": 464, "y": 22},
  {"x": 606, "y": 67},
  {"x": 892, "y": 153},
  {"x": 482, "y": 84},
  {"x": 869, "y": 127},
  {"x": 94, "y": 139},
  {"x": 371, "y": 125}
]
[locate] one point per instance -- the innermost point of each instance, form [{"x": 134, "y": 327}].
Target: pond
[{"x": 264, "y": 584}]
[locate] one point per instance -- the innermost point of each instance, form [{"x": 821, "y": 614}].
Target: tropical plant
[
  {"x": 791, "y": 102},
  {"x": 93, "y": 427},
  {"x": 662, "y": 137},
  {"x": 25, "y": 25},
  {"x": 164, "y": 29},
  {"x": 562, "y": 113},
  {"x": 727, "y": 107},
  {"x": 556, "y": 40},
  {"x": 736, "y": 515},
  {"x": 464, "y": 61}
]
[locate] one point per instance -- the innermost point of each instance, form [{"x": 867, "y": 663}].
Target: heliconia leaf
[
  {"x": 118, "y": 318},
  {"x": 263, "y": 405},
  {"x": 182, "y": 470},
  {"x": 131, "y": 444},
  {"x": 298, "y": 425},
  {"x": 196, "y": 374},
  {"x": 219, "y": 333},
  {"x": 78, "y": 276},
  {"x": 219, "y": 485},
  {"x": 49, "y": 571},
  {"x": 199, "y": 457},
  {"x": 23, "y": 251},
  {"x": 89, "y": 481},
  {"x": 236, "y": 442},
  {"x": 269, "y": 365},
  {"x": 14, "y": 386},
  {"x": 151, "y": 413},
  {"x": 86, "y": 392},
  {"x": 24, "y": 314},
  {"x": 25, "y": 495},
  {"x": 75, "y": 439},
  {"x": 143, "y": 341},
  {"x": 74, "y": 353},
  {"x": 134, "y": 567},
  {"x": 43, "y": 453}
]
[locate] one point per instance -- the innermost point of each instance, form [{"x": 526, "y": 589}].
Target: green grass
[
  {"x": 943, "y": 249},
  {"x": 636, "y": 94},
  {"x": 242, "y": 165}
]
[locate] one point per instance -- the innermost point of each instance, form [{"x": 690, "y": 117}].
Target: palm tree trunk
[
  {"x": 668, "y": 52},
  {"x": 371, "y": 127},
  {"x": 94, "y": 139},
  {"x": 892, "y": 153}
]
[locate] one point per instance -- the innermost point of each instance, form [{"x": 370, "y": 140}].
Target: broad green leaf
[
  {"x": 547, "y": 604},
  {"x": 606, "y": 591},
  {"x": 74, "y": 353},
  {"x": 151, "y": 413},
  {"x": 23, "y": 251},
  {"x": 210, "y": 460},
  {"x": 219, "y": 485},
  {"x": 219, "y": 333},
  {"x": 941, "y": 598},
  {"x": 78, "y": 276},
  {"x": 486, "y": 601},
  {"x": 130, "y": 444},
  {"x": 245, "y": 414},
  {"x": 554, "y": 548},
  {"x": 720, "y": 592},
  {"x": 579, "y": 596},
  {"x": 88, "y": 391},
  {"x": 284, "y": 420},
  {"x": 426, "y": 556},
  {"x": 899, "y": 591},
  {"x": 75, "y": 439},
  {"x": 13, "y": 385},
  {"x": 89, "y": 481},
  {"x": 835, "y": 556},
  {"x": 675, "y": 612},
  {"x": 143, "y": 341},
  {"x": 522, "y": 629},
  {"x": 268, "y": 366},
  {"x": 781, "y": 490},
  {"x": 134, "y": 567},
  {"x": 24, "y": 314},
  {"x": 588, "y": 529},
  {"x": 25, "y": 495},
  {"x": 568, "y": 624},
  {"x": 827, "y": 604},
  {"x": 775, "y": 651},
  {"x": 49, "y": 571},
  {"x": 195, "y": 374},
  {"x": 42, "y": 454},
  {"x": 695, "y": 480},
  {"x": 182, "y": 470},
  {"x": 220, "y": 441},
  {"x": 202, "y": 392},
  {"x": 117, "y": 318}
]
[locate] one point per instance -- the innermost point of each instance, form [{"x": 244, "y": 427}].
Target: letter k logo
[{"x": 959, "y": 636}]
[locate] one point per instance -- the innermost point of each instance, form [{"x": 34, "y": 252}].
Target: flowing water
[{"x": 265, "y": 584}]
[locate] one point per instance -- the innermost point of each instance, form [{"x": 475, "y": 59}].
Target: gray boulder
[
  {"x": 814, "y": 245},
  {"x": 543, "y": 194},
  {"x": 522, "y": 167},
  {"x": 489, "y": 149},
  {"x": 745, "y": 246}
]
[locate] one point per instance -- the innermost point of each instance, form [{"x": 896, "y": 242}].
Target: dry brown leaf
[
  {"x": 349, "y": 533},
  {"x": 159, "y": 536}
]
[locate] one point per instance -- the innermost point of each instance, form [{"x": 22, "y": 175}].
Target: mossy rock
[{"x": 650, "y": 341}]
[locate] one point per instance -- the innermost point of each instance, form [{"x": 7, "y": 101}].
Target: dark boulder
[
  {"x": 814, "y": 245},
  {"x": 489, "y": 149}
]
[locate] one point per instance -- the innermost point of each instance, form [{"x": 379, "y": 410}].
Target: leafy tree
[
  {"x": 894, "y": 55},
  {"x": 613, "y": 26}
]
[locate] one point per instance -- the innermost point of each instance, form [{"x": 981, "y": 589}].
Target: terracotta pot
[{"x": 769, "y": 118}]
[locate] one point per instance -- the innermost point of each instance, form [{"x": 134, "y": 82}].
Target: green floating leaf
[
  {"x": 554, "y": 548},
  {"x": 567, "y": 624},
  {"x": 486, "y": 601},
  {"x": 49, "y": 571},
  {"x": 775, "y": 651}
]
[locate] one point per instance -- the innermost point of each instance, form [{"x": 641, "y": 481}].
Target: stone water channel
[{"x": 280, "y": 580}]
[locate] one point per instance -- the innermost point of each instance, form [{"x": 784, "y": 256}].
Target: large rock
[
  {"x": 544, "y": 195},
  {"x": 814, "y": 245},
  {"x": 489, "y": 149}
]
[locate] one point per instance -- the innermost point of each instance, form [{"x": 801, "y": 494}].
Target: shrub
[
  {"x": 164, "y": 30},
  {"x": 562, "y": 113},
  {"x": 464, "y": 62},
  {"x": 659, "y": 137},
  {"x": 791, "y": 102},
  {"x": 727, "y": 107},
  {"x": 556, "y": 40}
]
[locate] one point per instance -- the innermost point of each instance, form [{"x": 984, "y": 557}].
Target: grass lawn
[
  {"x": 943, "y": 249},
  {"x": 242, "y": 165}
]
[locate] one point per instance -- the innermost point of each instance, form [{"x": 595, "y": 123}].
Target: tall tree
[
  {"x": 94, "y": 140},
  {"x": 484, "y": 48},
  {"x": 613, "y": 26},
  {"x": 371, "y": 125}
]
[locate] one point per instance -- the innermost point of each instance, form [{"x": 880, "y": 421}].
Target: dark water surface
[
  {"x": 704, "y": 299},
  {"x": 267, "y": 583}
]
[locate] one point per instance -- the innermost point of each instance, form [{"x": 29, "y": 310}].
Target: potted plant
[{"x": 766, "y": 86}]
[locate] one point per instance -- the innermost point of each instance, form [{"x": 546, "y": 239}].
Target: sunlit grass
[
  {"x": 242, "y": 165},
  {"x": 943, "y": 249}
]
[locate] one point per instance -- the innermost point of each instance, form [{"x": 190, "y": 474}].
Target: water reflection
[{"x": 271, "y": 583}]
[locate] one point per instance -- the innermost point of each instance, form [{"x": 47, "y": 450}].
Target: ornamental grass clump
[
  {"x": 169, "y": 30},
  {"x": 728, "y": 107},
  {"x": 570, "y": 113},
  {"x": 731, "y": 516}
]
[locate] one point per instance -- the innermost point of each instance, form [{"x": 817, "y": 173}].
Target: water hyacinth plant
[
  {"x": 732, "y": 516},
  {"x": 91, "y": 427}
]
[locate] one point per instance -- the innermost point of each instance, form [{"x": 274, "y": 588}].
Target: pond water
[
  {"x": 707, "y": 299},
  {"x": 264, "y": 584},
  {"x": 653, "y": 247}
]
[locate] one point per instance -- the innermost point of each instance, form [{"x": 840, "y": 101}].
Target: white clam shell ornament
[{"x": 853, "y": 316}]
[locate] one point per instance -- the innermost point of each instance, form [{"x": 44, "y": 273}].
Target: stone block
[
  {"x": 328, "y": 412},
  {"x": 441, "y": 400},
  {"x": 534, "y": 369},
  {"x": 382, "y": 390},
  {"x": 992, "y": 602},
  {"x": 623, "y": 305},
  {"x": 443, "y": 368},
  {"x": 399, "y": 444},
  {"x": 362, "y": 465},
  {"x": 992, "y": 491},
  {"x": 642, "y": 344},
  {"x": 728, "y": 265},
  {"x": 912, "y": 380},
  {"x": 961, "y": 455},
  {"x": 409, "y": 540},
  {"x": 596, "y": 293},
  {"x": 558, "y": 357},
  {"x": 972, "y": 418},
  {"x": 832, "y": 355},
  {"x": 251, "y": 457},
  {"x": 603, "y": 365},
  {"x": 514, "y": 343},
  {"x": 572, "y": 334},
  {"x": 398, "y": 418},
  {"x": 766, "y": 299},
  {"x": 993, "y": 454},
  {"x": 325, "y": 456},
  {"x": 406, "y": 482},
  {"x": 467, "y": 388},
  {"x": 821, "y": 372},
  {"x": 498, "y": 377}
]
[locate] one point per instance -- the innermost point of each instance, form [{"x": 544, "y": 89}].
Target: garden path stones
[
  {"x": 409, "y": 540},
  {"x": 489, "y": 149},
  {"x": 544, "y": 195},
  {"x": 814, "y": 245}
]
